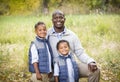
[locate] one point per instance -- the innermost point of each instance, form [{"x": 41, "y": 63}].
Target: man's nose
[{"x": 58, "y": 19}]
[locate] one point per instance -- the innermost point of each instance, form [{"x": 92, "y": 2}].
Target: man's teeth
[{"x": 58, "y": 23}]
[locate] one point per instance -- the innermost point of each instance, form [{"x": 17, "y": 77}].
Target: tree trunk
[{"x": 45, "y": 7}]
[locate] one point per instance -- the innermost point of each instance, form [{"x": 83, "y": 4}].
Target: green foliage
[
  {"x": 4, "y": 8},
  {"x": 21, "y": 7},
  {"x": 36, "y": 7},
  {"x": 115, "y": 2}
]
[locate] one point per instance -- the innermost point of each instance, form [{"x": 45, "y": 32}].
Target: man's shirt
[{"x": 74, "y": 42}]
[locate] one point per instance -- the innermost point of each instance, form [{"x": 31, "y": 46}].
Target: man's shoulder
[
  {"x": 68, "y": 31},
  {"x": 50, "y": 30}
]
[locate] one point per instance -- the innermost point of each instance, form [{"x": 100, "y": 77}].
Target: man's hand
[
  {"x": 92, "y": 66},
  {"x": 38, "y": 76}
]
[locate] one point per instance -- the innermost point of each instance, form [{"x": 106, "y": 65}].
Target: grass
[{"x": 99, "y": 35}]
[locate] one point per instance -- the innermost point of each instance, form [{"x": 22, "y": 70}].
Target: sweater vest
[
  {"x": 63, "y": 70},
  {"x": 43, "y": 61}
]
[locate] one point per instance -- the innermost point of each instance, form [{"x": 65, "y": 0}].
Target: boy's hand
[
  {"x": 50, "y": 75},
  {"x": 38, "y": 76}
]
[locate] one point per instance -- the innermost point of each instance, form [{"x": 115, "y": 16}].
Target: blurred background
[
  {"x": 96, "y": 22},
  {"x": 37, "y": 7}
]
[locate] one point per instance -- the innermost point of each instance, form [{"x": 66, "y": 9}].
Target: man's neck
[{"x": 58, "y": 30}]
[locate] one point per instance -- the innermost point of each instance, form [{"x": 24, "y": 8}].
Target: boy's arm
[
  {"x": 56, "y": 78},
  {"x": 38, "y": 75},
  {"x": 56, "y": 72},
  {"x": 34, "y": 61}
]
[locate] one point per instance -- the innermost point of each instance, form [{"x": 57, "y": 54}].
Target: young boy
[
  {"x": 65, "y": 67},
  {"x": 40, "y": 55}
]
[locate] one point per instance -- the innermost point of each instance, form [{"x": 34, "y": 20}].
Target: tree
[{"x": 45, "y": 9}]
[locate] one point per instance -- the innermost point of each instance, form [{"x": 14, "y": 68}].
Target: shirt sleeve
[
  {"x": 34, "y": 54},
  {"x": 56, "y": 69},
  {"x": 79, "y": 51}
]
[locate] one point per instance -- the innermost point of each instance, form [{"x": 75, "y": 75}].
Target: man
[{"x": 88, "y": 67}]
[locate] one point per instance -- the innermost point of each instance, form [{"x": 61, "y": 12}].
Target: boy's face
[
  {"x": 41, "y": 31},
  {"x": 63, "y": 48}
]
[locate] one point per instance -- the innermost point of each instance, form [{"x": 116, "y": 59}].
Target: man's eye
[
  {"x": 61, "y": 17},
  {"x": 56, "y": 18}
]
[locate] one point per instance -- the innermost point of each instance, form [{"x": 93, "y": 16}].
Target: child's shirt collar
[{"x": 68, "y": 55}]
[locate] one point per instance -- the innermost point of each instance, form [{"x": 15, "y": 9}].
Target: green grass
[{"x": 99, "y": 35}]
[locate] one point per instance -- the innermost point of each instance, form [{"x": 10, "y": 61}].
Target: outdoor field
[{"x": 99, "y": 35}]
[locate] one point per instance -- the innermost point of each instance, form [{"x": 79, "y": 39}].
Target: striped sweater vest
[
  {"x": 43, "y": 62},
  {"x": 63, "y": 70}
]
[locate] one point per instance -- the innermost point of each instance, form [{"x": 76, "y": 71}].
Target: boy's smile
[
  {"x": 64, "y": 48},
  {"x": 41, "y": 31}
]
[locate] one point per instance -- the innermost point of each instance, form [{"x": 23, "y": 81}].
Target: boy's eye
[
  {"x": 42, "y": 30},
  {"x": 58, "y": 17}
]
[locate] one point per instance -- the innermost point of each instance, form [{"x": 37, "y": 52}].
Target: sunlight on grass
[{"x": 99, "y": 35}]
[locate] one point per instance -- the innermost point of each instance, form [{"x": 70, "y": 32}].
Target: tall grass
[{"x": 99, "y": 35}]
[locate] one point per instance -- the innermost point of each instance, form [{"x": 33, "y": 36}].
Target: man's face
[{"x": 58, "y": 20}]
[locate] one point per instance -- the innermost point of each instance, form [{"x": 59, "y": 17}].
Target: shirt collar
[
  {"x": 63, "y": 32},
  {"x": 64, "y": 56},
  {"x": 40, "y": 39}
]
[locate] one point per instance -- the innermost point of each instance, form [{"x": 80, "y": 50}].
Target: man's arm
[
  {"x": 83, "y": 57},
  {"x": 79, "y": 51}
]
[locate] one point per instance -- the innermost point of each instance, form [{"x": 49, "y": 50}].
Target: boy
[
  {"x": 65, "y": 67},
  {"x": 40, "y": 55}
]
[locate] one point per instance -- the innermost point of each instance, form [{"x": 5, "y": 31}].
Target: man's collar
[{"x": 64, "y": 31}]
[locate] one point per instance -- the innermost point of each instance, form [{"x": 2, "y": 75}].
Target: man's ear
[{"x": 65, "y": 19}]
